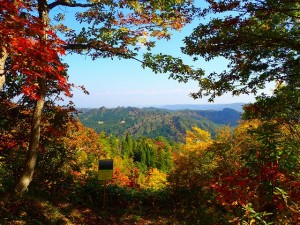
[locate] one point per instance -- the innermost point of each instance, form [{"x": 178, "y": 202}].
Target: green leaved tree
[{"x": 259, "y": 40}]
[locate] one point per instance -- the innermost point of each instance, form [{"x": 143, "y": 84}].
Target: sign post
[{"x": 105, "y": 172}]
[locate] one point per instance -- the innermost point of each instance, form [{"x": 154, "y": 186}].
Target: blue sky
[{"x": 113, "y": 83}]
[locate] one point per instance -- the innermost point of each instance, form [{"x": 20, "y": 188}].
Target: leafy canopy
[{"x": 259, "y": 40}]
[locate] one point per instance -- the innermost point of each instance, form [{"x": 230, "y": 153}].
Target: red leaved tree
[{"x": 115, "y": 29}]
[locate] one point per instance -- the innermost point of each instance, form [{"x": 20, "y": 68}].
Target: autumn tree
[
  {"x": 110, "y": 29},
  {"x": 194, "y": 168},
  {"x": 188, "y": 162}
]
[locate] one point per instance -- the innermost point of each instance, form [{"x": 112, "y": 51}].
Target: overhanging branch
[
  {"x": 69, "y": 4},
  {"x": 91, "y": 46}
]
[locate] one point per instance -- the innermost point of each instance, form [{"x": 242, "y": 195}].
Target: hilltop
[{"x": 217, "y": 107}]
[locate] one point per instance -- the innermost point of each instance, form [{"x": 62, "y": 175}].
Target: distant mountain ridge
[
  {"x": 153, "y": 122},
  {"x": 236, "y": 106}
]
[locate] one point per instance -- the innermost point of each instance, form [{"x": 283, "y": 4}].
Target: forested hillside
[{"x": 152, "y": 122}]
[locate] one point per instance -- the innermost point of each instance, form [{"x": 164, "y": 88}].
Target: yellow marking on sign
[{"x": 105, "y": 174}]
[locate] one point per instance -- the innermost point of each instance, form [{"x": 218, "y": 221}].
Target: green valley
[{"x": 154, "y": 122}]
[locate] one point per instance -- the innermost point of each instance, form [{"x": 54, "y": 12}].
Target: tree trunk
[
  {"x": 32, "y": 154},
  {"x": 3, "y": 57},
  {"x": 30, "y": 162}
]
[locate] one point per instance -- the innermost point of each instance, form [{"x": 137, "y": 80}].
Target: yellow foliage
[
  {"x": 155, "y": 180},
  {"x": 224, "y": 134},
  {"x": 246, "y": 125},
  {"x": 197, "y": 139}
]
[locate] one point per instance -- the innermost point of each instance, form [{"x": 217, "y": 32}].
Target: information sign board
[{"x": 105, "y": 169}]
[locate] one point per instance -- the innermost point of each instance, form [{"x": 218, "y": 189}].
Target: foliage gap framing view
[{"x": 248, "y": 174}]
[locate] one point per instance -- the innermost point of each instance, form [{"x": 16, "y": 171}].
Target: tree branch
[
  {"x": 89, "y": 46},
  {"x": 68, "y": 4}
]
